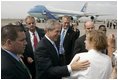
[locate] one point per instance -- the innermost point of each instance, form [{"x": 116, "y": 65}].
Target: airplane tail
[{"x": 84, "y": 7}]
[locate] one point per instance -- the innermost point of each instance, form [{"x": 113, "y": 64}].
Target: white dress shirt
[
  {"x": 100, "y": 66},
  {"x": 32, "y": 37},
  {"x": 68, "y": 66}
]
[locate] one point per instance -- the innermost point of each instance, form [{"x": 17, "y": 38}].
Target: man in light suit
[
  {"x": 30, "y": 48},
  {"x": 48, "y": 65},
  {"x": 13, "y": 44}
]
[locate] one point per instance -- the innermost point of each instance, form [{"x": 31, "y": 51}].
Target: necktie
[
  {"x": 25, "y": 67},
  {"x": 61, "y": 48},
  {"x": 62, "y": 36},
  {"x": 35, "y": 40}
]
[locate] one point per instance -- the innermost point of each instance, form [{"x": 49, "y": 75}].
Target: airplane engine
[{"x": 92, "y": 18}]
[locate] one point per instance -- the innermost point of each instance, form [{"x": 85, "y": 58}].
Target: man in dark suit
[
  {"x": 48, "y": 65},
  {"x": 13, "y": 44},
  {"x": 32, "y": 34},
  {"x": 66, "y": 44},
  {"x": 79, "y": 43}
]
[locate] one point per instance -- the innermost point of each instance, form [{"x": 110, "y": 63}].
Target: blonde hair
[
  {"x": 98, "y": 39},
  {"x": 67, "y": 17}
]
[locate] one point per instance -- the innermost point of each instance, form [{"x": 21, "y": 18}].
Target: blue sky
[{"x": 19, "y": 9}]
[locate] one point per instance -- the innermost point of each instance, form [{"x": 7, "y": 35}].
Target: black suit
[
  {"x": 48, "y": 62},
  {"x": 11, "y": 68},
  {"x": 80, "y": 45},
  {"x": 68, "y": 44},
  {"x": 29, "y": 51}
]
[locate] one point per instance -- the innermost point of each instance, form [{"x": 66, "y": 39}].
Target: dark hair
[
  {"x": 10, "y": 32},
  {"x": 102, "y": 26}
]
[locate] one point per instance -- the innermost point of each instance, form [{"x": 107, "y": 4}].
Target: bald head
[
  {"x": 88, "y": 23},
  {"x": 89, "y": 26}
]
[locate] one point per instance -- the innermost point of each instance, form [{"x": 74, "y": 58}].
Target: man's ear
[{"x": 9, "y": 42}]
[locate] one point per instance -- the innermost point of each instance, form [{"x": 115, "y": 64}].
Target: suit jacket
[
  {"x": 29, "y": 50},
  {"x": 80, "y": 45},
  {"x": 68, "y": 44},
  {"x": 11, "y": 68},
  {"x": 48, "y": 62}
]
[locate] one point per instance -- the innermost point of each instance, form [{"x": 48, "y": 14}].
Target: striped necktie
[{"x": 25, "y": 67}]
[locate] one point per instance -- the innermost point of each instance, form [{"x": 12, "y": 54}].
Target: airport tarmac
[{"x": 80, "y": 27}]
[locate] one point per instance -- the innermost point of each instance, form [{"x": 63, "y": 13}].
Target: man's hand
[
  {"x": 111, "y": 44},
  {"x": 29, "y": 60},
  {"x": 76, "y": 64},
  {"x": 111, "y": 40}
]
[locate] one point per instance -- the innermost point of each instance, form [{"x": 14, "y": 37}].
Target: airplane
[{"x": 41, "y": 12}]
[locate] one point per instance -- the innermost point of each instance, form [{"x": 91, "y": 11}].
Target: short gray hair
[
  {"x": 50, "y": 24},
  {"x": 29, "y": 17}
]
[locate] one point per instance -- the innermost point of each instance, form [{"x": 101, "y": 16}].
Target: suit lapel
[
  {"x": 21, "y": 67},
  {"x": 39, "y": 33},
  {"x": 29, "y": 41},
  {"x": 51, "y": 48},
  {"x": 67, "y": 35},
  {"x": 15, "y": 62}
]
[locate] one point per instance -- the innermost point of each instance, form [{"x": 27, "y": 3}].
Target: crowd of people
[
  {"x": 57, "y": 51},
  {"x": 112, "y": 24}
]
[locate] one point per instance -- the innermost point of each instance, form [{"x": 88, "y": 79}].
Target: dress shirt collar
[
  {"x": 65, "y": 29},
  {"x": 15, "y": 56},
  {"x": 49, "y": 39},
  {"x": 32, "y": 32}
]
